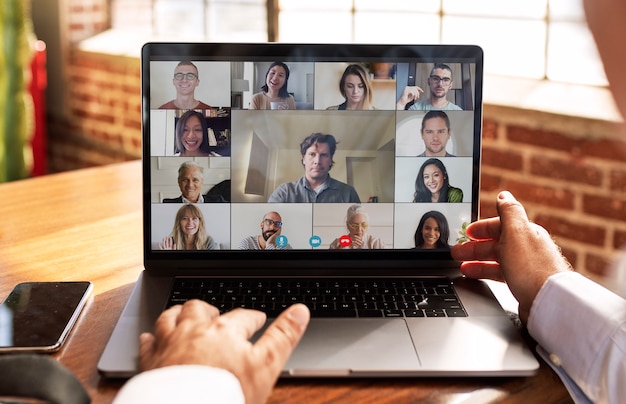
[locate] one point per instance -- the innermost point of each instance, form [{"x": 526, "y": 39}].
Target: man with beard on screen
[{"x": 269, "y": 239}]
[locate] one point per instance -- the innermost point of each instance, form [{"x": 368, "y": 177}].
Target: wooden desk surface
[{"x": 86, "y": 225}]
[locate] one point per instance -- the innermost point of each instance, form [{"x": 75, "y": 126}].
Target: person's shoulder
[
  {"x": 173, "y": 200},
  {"x": 259, "y": 101},
  {"x": 339, "y": 184},
  {"x": 168, "y": 105},
  {"x": 334, "y": 182},
  {"x": 420, "y": 105},
  {"x": 285, "y": 191},
  {"x": 211, "y": 244},
  {"x": 375, "y": 242},
  {"x": 453, "y": 107},
  {"x": 248, "y": 243},
  {"x": 333, "y": 108},
  {"x": 261, "y": 96},
  {"x": 213, "y": 199},
  {"x": 455, "y": 194},
  {"x": 291, "y": 184},
  {"x": 202, "y": 105}
]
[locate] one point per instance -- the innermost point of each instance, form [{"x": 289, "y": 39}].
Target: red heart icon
[{"x": 345, "y": 240}]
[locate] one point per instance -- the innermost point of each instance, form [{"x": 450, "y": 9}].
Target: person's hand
[
  {"x": 410, "y": 93},
  {"x": 273, "y": 237},
  {"x": 195, "y": 333},
  {"x": 357, "y": 241},
  {"x": 167, "y": 243},
  {"x": 510, "y": 248}
]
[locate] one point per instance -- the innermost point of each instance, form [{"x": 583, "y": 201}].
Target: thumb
[
  {"x": 146, "y": 350},
  {"x": 513, "y": 217},
  {"x": 282, "y": 336}
]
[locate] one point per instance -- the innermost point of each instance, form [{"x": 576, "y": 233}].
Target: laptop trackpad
[{"x": 336, "y": 347}]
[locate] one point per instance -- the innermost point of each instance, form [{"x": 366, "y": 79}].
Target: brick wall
[
  {"x": 572, "y": 181},
  {"x": 86, "y": 18},
  {"x": 103, "y": 123}
]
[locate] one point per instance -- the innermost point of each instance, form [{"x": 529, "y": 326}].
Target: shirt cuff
[
  {"x": 182, "y": 384},
  {"x": 574, "y": 319}
]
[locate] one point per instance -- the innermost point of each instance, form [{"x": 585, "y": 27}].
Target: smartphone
[{"x": 38, "y": 316}]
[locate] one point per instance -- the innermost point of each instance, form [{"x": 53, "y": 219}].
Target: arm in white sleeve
[
  {"x": 582, "y": 328},
  {"x": 182, "y": 384}
]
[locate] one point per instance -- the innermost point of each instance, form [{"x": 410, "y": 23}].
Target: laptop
[{"x": 367, "y": 249}]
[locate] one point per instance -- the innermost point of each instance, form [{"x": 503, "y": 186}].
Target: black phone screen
[{"x": 37, "y": 316}]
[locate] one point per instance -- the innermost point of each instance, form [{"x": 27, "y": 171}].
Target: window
[
  {"x": 193, "y": 20},
  {"x": 534, "y": 39}
]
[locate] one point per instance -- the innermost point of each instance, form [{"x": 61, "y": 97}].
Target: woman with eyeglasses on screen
[{"x": 357, "y": 222}]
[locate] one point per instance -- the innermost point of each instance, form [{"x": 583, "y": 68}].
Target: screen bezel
[{"x": 307, "y": 261}]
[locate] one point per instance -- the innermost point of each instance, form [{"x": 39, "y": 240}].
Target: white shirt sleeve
[
  {"x": 182, "y": 384},
  {"x": 581, "y": 326}
]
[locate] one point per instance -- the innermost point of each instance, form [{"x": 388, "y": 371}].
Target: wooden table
[{"x": 86, "y": 225}]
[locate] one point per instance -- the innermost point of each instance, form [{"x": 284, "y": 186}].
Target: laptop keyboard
[{"x": 326, "y": 298}]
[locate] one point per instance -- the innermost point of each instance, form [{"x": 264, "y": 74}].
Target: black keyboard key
[
  {"x": 392, "y": 313},
  {"x": 435, "y": 313},
  {"x": 370, "y": 313},
  {"x": 333, "y": 313},
  {"x": 387, "y": 306},
  {"x": 367, "y": 306},
  {"x": 414, "y": 313},
  {"x": 456, "y": 313},
  {"x": 406, "y": 306}
]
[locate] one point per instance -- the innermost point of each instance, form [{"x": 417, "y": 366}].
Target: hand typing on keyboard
[{"x": 196, "y": 333}]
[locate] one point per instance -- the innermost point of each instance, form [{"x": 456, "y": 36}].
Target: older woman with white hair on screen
[{"x": 357, "y": 223}]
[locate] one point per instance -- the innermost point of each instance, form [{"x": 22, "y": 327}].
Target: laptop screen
[{"x": 299, "y": 152}]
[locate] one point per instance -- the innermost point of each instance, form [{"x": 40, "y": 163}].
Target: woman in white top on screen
[{"x": 274, "y": 94}]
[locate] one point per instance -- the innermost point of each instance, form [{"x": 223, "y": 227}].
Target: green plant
[
  {"x": 16, "y": 109},
  {"x": 462, "y": 234}
]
